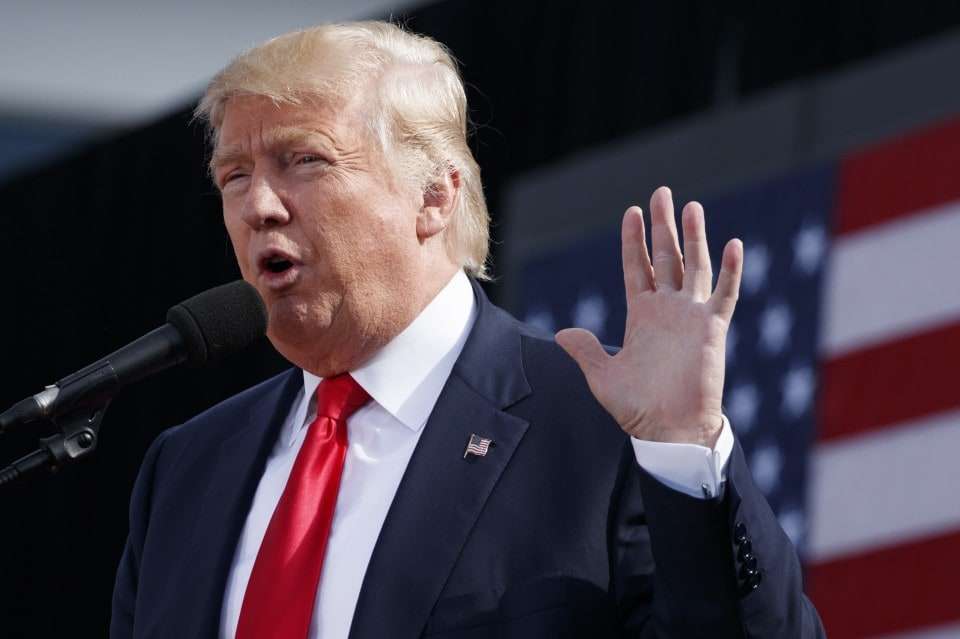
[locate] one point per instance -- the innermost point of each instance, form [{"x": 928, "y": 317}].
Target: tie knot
[{"x": 340, "y": 397}]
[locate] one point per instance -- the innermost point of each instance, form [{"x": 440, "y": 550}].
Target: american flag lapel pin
[{"x": 477, "y": 446}]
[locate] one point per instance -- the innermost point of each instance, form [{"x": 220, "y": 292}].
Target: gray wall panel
[{"x": 804, "y": 123}]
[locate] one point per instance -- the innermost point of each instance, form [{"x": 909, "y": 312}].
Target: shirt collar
[{"x": 405, "y": 377}]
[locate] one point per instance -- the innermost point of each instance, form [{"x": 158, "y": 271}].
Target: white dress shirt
[{"x": 404, "y": 380}]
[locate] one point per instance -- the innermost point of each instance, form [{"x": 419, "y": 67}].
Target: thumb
[{"x": 585, "y": 349}]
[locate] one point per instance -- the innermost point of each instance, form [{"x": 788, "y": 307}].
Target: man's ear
[{"x": 440, "y": 198}]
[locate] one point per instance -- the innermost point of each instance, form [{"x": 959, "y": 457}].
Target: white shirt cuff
[{"x": 689, "y": 468}]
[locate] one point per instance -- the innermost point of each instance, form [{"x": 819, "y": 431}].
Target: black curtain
[
  {"x": 95, "y": 248},
  {"x": 94, "y": 251}
]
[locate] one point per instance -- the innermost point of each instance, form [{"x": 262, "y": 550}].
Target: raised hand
[{"x": 666, "y": 383}]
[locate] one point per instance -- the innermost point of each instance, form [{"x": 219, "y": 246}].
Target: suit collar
[
  {"x": 492, "y": 360},
  {"x": 442, "y": 493}
]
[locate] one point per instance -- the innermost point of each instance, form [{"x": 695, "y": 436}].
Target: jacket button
[
  {"x": 747, "y": 574},
  {"x": 750, "y": 563},
  {"x": 750, "y": 585},
  {"x": 745, "y": 551},
  {"x": 740, "y": 533}
]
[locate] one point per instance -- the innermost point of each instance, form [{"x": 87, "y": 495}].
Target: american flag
[
  {"x": 477, "y": 446},
  {"x": 843, "y": 378}
]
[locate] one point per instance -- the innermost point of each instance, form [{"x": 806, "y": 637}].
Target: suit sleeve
[
  {"x": 688, "y": 567},
  {"x": 125, "y": 588}
]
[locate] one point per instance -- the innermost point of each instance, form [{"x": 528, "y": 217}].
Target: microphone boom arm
[{"x": 78, "y": 437}]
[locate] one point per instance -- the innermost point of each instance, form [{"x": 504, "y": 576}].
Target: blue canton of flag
[{"x": 772, "y": 345}]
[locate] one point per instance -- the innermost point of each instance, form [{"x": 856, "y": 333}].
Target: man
[{"x": 431, "y": 467}]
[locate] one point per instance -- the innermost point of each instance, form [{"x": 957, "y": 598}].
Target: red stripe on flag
[
  {"x": 899, "y": 178},
  {"x": 890, "y": 383},
  {"x": 891, "y": 590}
]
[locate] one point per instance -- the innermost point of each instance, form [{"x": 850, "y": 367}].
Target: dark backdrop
[{"x": 94, "y": 249}]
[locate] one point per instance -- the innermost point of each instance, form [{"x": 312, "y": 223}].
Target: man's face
[{"x": 321, "y": 227}]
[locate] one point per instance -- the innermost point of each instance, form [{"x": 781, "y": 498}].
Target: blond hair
[{"x": 420, "y": 111}]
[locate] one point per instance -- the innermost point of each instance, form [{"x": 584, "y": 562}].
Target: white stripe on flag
[
  {"x": 951, "y": 631},
  {"x": 879, "y": 489},
  {"x": 891, "y": 280}
]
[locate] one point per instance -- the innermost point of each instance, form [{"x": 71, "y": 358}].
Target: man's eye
[
  {"x": 309, "y": 159},
  {"x": 231, "y": 177}
]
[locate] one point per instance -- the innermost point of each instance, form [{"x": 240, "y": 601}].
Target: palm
[{"x": 666, "y": 383}]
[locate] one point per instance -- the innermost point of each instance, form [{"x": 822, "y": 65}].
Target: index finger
[{"x": 725, "y": 295}]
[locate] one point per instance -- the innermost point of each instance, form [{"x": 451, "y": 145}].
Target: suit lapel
[
  {"x": 442, "y": 493},
  {"x": 235, "y": 474}
]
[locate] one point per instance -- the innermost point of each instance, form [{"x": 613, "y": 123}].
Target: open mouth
[{"x": 277, "y": 265}]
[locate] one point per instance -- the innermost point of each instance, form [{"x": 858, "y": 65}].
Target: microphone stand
[{"x": 78, "y": 436}]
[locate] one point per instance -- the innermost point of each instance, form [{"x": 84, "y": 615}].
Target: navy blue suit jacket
[{"x": 556, "y": 532}]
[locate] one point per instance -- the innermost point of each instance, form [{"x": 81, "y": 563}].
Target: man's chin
[{"x": 291, "y": 326}]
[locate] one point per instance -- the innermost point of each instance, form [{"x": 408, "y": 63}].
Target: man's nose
[{"x": 263, "y": 206}]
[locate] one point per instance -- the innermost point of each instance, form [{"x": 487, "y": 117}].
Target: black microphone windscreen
[{"x": 219, "y": 321}]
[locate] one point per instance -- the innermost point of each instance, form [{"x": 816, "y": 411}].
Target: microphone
[{"x": 199, "y": 330}]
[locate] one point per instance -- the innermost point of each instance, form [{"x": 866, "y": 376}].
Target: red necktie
[{"x": 282, "y": 589}]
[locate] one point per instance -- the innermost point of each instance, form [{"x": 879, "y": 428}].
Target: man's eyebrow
[
  {"x": 293, "y": 135},
  {"x": 279, "y": 138},
  {"x": 223, "y": 156}
]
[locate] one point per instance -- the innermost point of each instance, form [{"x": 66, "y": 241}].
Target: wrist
[
  {"x": 702, "y": 431},
  {"x": 707, "y": 430}
]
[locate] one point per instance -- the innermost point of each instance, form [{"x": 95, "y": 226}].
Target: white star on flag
[
  {"x": 542, "y": 319},
  {"x": 766, "y": 463},
  {"x": 775, "y": 324},
  {"x": 756, "y": 262},
  {"x": 742, "y": 406},
  {"x": 809, "y": 247},
  {"x": 590, "y": 313},
  {"x": 797, "y": 391}
]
